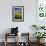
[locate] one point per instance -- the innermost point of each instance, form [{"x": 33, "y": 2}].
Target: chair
[
  {"x": 14, "y": 32},
  {"x": 24, "y": 36},
  {"x": 7, "y": 35}
]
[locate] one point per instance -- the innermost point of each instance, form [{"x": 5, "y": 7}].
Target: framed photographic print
[{"x": 17, "y": 13}]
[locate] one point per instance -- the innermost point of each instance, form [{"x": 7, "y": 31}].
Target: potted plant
[
  {"x": 38, "y": 27},
  {"x": 42, "y": 27},
  {"x": 35, "y": 26},
  {"x": 39, "y": 35}
]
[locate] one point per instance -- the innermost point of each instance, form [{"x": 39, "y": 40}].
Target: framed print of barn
[{"x": 17, "y": 13}]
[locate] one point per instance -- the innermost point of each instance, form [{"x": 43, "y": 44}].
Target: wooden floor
[{"x": 13, "y": 44}]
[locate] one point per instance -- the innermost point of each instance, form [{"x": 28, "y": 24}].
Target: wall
[{"x": 6, "y": 15}]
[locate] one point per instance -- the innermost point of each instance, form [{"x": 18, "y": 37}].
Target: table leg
[{"x": 5, "y": 40}]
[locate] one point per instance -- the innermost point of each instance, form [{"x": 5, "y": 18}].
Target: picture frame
[{"x": 17, "y": 13}]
